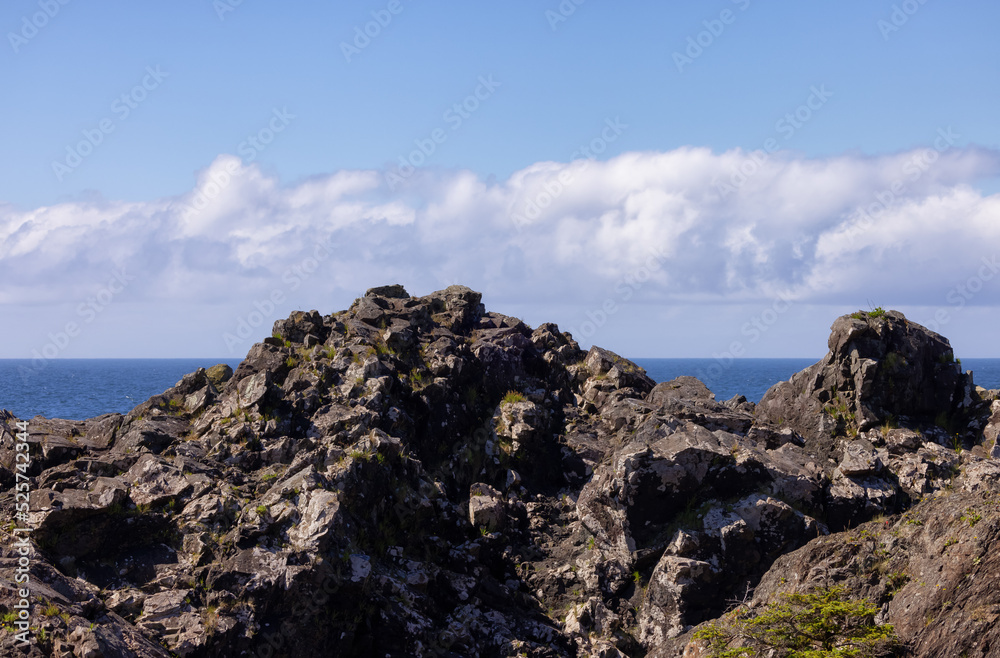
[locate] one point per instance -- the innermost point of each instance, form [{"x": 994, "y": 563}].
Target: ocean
[
  {"x": 82, "y": 388},
  {"x": 76, "y": 389},
  {"x": 752, "y": 377}
]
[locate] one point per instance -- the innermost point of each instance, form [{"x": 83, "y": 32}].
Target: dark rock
[
  {"x": 878, "y": 369},
  {"x": 218, "y": 375},
  {"x": 395, "y": 291},
  {"x": 418, "y": 476}
]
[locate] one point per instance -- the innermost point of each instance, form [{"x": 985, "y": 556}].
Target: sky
[{"x": 715, "y": 179}]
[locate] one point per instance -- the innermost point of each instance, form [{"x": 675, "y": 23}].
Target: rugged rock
[
  {"x": 880, "y": 368},
  {"x": 931, "y": 571},
  {"x": 419, "y": 476}
]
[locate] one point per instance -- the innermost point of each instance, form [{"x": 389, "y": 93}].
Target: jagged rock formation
[
  {"x": 417, "y": 476},
  {"x": 880, "y": 367}
]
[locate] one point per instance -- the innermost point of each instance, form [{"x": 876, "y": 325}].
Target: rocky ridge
[{"x": 418, "y": 476}]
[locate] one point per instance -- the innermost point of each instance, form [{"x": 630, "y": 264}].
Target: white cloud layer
[{"x": 570, "y": 232}]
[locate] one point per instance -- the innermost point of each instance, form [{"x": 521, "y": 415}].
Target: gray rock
[
  {"x": 486, "y": 507},
  {"x": 154, "y": 481},
  {"x": 877, "y": 367}
]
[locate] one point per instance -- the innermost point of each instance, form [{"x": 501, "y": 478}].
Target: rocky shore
[{"x": 416, "y": 476}]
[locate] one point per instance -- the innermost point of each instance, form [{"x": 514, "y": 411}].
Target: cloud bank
[{"x": 706, "y": 227}]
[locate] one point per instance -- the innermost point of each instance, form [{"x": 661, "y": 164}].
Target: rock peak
[
  {"x": 421, "y": 476},
  {"x": 881, "y": 368}
]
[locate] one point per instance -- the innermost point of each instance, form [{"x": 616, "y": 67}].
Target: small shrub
[
  {"x": 261, "y": 510},
  {"x": 512, "y": 397},
  {"x": 877, "y": 312},
  {"x": 972, "y": 517},
  {"x": 896, "y": 581},
  {"x": 822, "y": 624}
]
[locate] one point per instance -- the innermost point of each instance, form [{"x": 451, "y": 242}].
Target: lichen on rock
[{"x": 421, "y": 476}]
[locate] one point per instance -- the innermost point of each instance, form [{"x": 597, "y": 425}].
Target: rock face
[
  {"x": 931, "y": 571},
  {"x": 880, "y": 367},
  {"x": 418, "y": 476}
]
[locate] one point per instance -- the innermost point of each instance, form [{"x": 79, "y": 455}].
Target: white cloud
[{"x": 791, "y": 225}]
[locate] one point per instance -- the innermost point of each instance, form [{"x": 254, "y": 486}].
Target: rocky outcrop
[
  {"x": 881, "y": 368},
  {"x": 419, "y": 476},
  {"x": 930, "y": 571}
]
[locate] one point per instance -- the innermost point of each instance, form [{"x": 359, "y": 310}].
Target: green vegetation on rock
[{"x": 821, "y": 624}]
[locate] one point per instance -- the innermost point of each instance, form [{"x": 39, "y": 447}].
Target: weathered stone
[
  {"x": 486, "y": 507},
  {"x": 877, "y": 367},
  {"x": 219, "y": 374},
  {"x": 395, "y": 291},
  {"x": 360, "y": 483},
  {"x": 860, "y": 458},
  {"x": 154, "y": 481},
  {"x": 170, "y": 616}
]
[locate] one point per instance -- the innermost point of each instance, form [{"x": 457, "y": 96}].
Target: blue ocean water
[
  {"x": 749, "y": 377},
  {"x": 83, "y": 388},
  {"x": 752, "y": 377}
]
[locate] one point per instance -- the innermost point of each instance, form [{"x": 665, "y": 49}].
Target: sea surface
[
  {"x": 83, "y": 388},
  {"x": 752, "y": 377}
]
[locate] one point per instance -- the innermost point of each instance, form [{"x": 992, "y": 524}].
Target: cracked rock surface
[{"x": 417, "y": 476}]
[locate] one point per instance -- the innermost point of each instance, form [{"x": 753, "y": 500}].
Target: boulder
[
  {"x": 880, "y": 367},
  {"x": 486, "y": 507}
]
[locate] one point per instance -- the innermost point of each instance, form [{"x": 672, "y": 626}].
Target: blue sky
[{"x": 196, "y": 152}]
